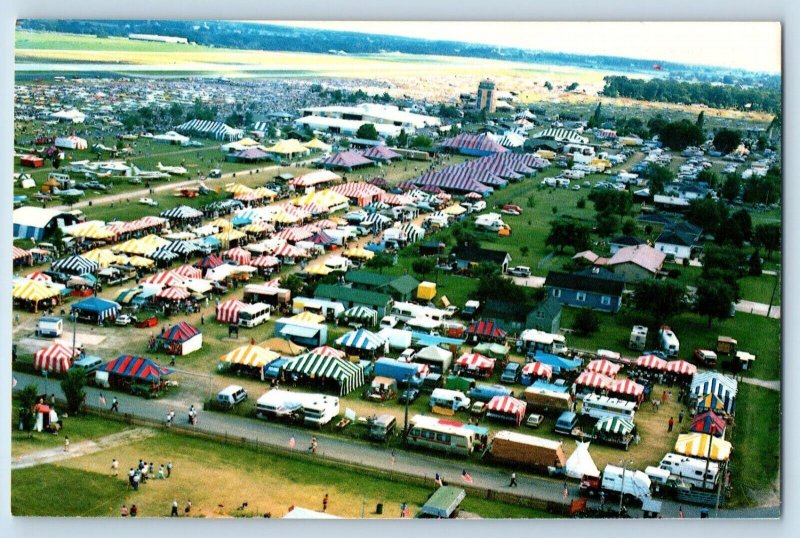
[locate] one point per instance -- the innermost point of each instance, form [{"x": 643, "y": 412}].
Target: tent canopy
[
  {"x": 180, "y": 332},
  {"x": 347, "y": 375},
  {"x": 139, "y": 368},
  {"x": 696, "y": 445},
  {"x": 255, "y": 356},
  {"x": 580, "y": 463},
  {"x": 361, "y": 339},
  {"x": 622, "y": 426}
]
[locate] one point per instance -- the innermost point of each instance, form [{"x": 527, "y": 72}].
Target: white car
[
  {"x": 124, "y": 319},
  {"x": 148, "y": 201}
]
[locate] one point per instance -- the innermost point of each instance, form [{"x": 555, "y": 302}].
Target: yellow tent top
[
  {"x": 358, "y": 252},
  {"x": 318, "y": 269},
  {"x": 143, "y": 246},
  {"x": 230, "y": 235},
  {"x": 139, "y": 261},
  {"x": 221, "y": 223},
  {"x": 237, "y": 188},
  {"x": 30, "y": 290},
  {"x": 283, "y": 346},
  {"x": 456, "y": 209},
  {"x": 101, "y": 256},
  {"x": 283, "y": 217},
  {"x": 318, "y": 145},
  {"x": 696, "y": 445},
  {"x": 308, "y": 317},
  {"x": 426, "y": 291},
  {"x": 91, "y": 230},
  {"x": 254, "y": 228},
  {"x": 265, "y": 192},
  {"x": 247, "y": 355},
  {"x": 288, "y": 147}
]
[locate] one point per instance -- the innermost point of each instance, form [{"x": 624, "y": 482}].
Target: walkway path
[
  {"x": 759, "y": 309},
  {"x": 369, "y": 455},
  {"x": 771, "y": 385},
  {"x": 82, "y": 448}
]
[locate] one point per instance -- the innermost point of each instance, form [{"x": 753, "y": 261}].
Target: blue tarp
[
  {"x": 544, "y": 385},
  {"x": 430, "y": 340},
  {"x": 558, "y": 363}
]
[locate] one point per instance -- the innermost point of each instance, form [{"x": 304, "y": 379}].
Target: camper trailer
[
  {"x": 259, "y": 293},
  {"x": 690, "y": 470},
  {"x": 449, "y": 399},
  {"x": 315, "y": 409},
  {"x": 600, "y": 407},
  {"x": 638, "y": 338},
  {"x": 441, "y": 434},
  {"x": 328, "y": 309},
  {"x": 527, "y": 451},
  {"x": 669, "y": 342}
]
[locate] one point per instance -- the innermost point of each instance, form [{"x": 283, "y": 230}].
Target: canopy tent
[
  {"x": 697, "y": 446},
  {"x": 173, "y": 294},
  {"x": 359, "y": 253},
  {"x": 361, "y": 313},
  {"x": 314, "y": 178},
  {"x": 361, "y": 339},
  {"x": 603, "y": 366},
  {"x": 348, "y": 376},
  {"x": 615, "y": 425},
  {"x": 95, "y": 309},
  {"x": 252, "y": 356},
  {"x": 103, "y": 257},
  {"x": 142, "y": 247},
  {"x": 681, "y": 368},
  {"x": 182, "y": 338},
  {"x": 492, "y": 349},
  {"x": 709, "y": 402},
  {"x": 537, "y": 369},
  {"x": 483, "y": 329},
  {"x": 239, "y": 255},
  {"x": 346, "y": 159},
  {"x": 723, "y": 387},
  {"x": 188, "y": 271},
  {"x": 710, "y": 423},
  {"x": 139, "y": 261},
  {"x": 182, "y": 212},
  {"x": 318, "y": 145},
  {"x": 228, "y": 311},
  {"x": 285, "y": 347},
  {"x": 626, "y": 387},
  {"x": 54, "y": 358},
  {"x": 33, "y": 293},
  {"x": 329, "y": 352},
  {"x": 308, "y": 317},
  {"x": 381, "y": 153},
  {"x": 75, "y": 265},
  {"x": 593, "y": 380},
  {"x": 165, "y": 278},
  {"x": 163, "y": 254},
  {"x": 265, "y": 262},
  {"x": 21, "y": 255},
  {"x": 290, "y": 147},
  {"x": 318, "y": 269},
  {"x": 651, "y": 362},
  {"x": 290, "y": 251},
  {"x": 93, "y": 230},
  {"x": 580, "y": 463},
  {"x": 209, "y": 262},
  {"x": 38, "y": 276},
  {"x": 435, "y": 356},
  {"x": 476, "y": 363},
  {"x": 136, "y": 368},
  {"x": 505, "y": 408}
]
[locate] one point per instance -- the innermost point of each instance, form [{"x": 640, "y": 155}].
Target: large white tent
[{"x": 580, "y": 463}]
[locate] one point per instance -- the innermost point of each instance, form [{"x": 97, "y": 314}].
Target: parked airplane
[{"x": 173, "y": 170}]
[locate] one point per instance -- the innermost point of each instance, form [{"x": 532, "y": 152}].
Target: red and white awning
[
  {"x": 290, "y": 251},
  {"x": 652, "y": 362},
  {"x": 265, "y": 261},
  {"x": 188, "y": 271},
  {"x": 594, "y": 380},
  {"x": 228, "y": 311},
  {"x": 165, "y": 278},
  {"x": 681, "y": 367},
  {"x": 239, "y": 255},
  {"x": 537, "y": 369},
  {"x": 54, "y": 358},
  {"x": 475, "y": 361},
  {"x": 603, "y": 366},
  {"x": 627, "y": 387},
  {"x": 173, "y": 294}
]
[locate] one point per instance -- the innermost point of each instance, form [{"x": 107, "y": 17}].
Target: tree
[
  {"x": 709, "y": 177},
  {"x": 72, "y": 385},
  {"x": 727, "y": 140},
  {"x": 726, "y": 263},
  {"x": 175, "y": 113},
  {"x": 293, "y": 283},
  {"x": 234, "y": 119},
  {"x": 421, "y": 141},
  {"x": 449, "y": 111},
  {"x": 701, "y": 120},
  {"x": 27, "y": 399},
  {"x": 548, "y": 85},
  {"x": 707, "y": 214},
  {"x": 57, "y": 239},
  {"x": 381, "y": 261},
  {"x": 402, "y": 138},
  {"x": 714, "y": 299},
  {"x": 731, "y": 187},
  {"x": 681, "y": 134},
  {"x": 56, "y": 160},
  {"x": 661, "y": 299},
  {"x": 659, "y": 176},
  {"x": 367, "y": 131},
  {"x": 572, "y": 87},
  {"x": 597, "y": 117},
  {"x": 768, "y": 237},
  {"x": 629, "y": 227},
  {"x": 764, "y": 190},
  {"x": 587, "y": 322},
  {"x": 607, "y": 224},
  {"x": 612, "y": 201},
  {"x": 423, "y": 266},
  {"x": 568, "y": 234},
  {"x": 754, "y": 268}
]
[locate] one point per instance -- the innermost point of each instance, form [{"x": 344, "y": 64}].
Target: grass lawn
[
  {"x": 211, "y": 474},
  {"x": 760, "y": 289},
  {"x": 757, "y": 438},
  {"x": 78, "y": 428}
]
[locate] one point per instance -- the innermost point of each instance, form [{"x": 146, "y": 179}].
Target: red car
[{"x": 511, "y": 208}]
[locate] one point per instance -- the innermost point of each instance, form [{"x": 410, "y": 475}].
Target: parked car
[
  {"x": 511, "y": 373},
  {"x": 706, "y": 357},
  {"x": 88, "y": 363},
  {"x": 96, "y": 185},
  {"x": 216, "y": 172},
  {"x": 513, "y": 207},
  {"x": 408, "y": 395},
  {"x": 124, "y": 319},
  {"x": 520, "y": 270},
  {"x": 148, "y": 201},
  {"x": 534, "y": 420},
  {"x": 58, "y": 277}
]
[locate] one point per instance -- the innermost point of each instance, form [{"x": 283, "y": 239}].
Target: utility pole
[
  {"x": 408, "y": 397},
  {"x": 721, "y": 479},
  {"x": 74, "y": 316},
  {"x": 622, "y": 485},
  {"x": 774, "y": 289}
]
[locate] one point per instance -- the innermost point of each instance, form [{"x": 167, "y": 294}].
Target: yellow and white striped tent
[
  {"x": 254, "y": 228},
  {"x": 237, "y": 188},
  {"x": 230, "y": 235},
  {"x": 265, "y": 193},
  {"x": 456, "y": 209},
  {"x": 358, "y": 252},
  {"x": 318, "y": 269},
  {"x": 248, "y": 355},
  {"x": 139, "y": 261},
  {"x": 308, "y": 317},
  {"x": 283, "y": 217},
  {"x": 101, "y": 256},
  {"x": 222, "y": 224},
  {"x": 290, "y": 146},
  {"x": 326, "y": 198},
  {"x": 317, "y": 144},
  {"x": 696, "y": 445},
  {"x": 30, "y": 290},
  {"x": 142, "y": 247},
  {"x": 93, "y": 229}
]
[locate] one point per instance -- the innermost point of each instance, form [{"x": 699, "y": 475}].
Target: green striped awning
[
  {"x": 348, "y": 375},
  {"x": 618, "y": 425}
]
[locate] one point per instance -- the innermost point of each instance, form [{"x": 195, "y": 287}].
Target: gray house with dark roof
[
  {"x": 546, "y": 316},
  {"x": 400, "y": 288},
  {"x": 468, "y": 254},
  {"x": 595, "y": 288},
  {"x": 624, "y": 241}
]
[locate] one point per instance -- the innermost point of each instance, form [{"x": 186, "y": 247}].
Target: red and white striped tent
[
  {"x": 294, "y": 234},
  {"x": 274, "y": 283},
  {"x": 475, "y": 362},
  {"x": 290, "y": 251},
  {"x": 627, "y": 387},
  {"x": 651, "y": 362},
  {"x": 506, "y": 407},
  {"x": 165, "y": 278},
  {"x": 173, "y": 294},
  {"x": 593, "y": 380},
  {"x": 265, "y": 261},
  {"x": 681, "y": 367},
  {"x": 603, "y": 366},
  {"x": 537, "y": 369},
  {"x": 188, "y": 271},
  {"x": 21, "y": 254},
  {"x": 326, "y": 224},
  {"x": 38, "y": 276},
  {"x": 54, "y": 358},
  {"x": 239, "y": 255},
  {"x": 228, "y": 311},
  {"x": 328, "y": 351}
]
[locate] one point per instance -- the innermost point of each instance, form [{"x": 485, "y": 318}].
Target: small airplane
[
  {"x": 90, "y": 174},
  {"x": 144, "y": 174},
  {"x": 173, "y": 170}
]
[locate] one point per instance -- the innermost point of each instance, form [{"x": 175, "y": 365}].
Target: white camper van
[
  {"x": 450, "y": 399},
  {"x": 669, "y": 342},
  {"x": 638, "y": 338},
  {"x": 690, "y": 470},
  {"x": 316, "y": 409},
  {"x": 628, "y": 482}
]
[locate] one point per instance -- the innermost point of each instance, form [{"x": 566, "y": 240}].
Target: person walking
[
  {"x": 123, "y": 511},
  {"x": 325, "y": 503},
  {"x": 115, "y": 405},
  {"x": 670, "y": 424},
  {"x": 134, "y": 510},
  {"x": 188, "y": 508},
  {"x": 513, "y": 483},
  {"x": 291, "y": 442},
  {"x": 169, "y": 468},
  {"x": 161, "y": 474},
  {"x": 66, "y": 444},
  {"x": 114, "y": 467},
  {"x": 680, "y": 416},
  {"x": 130, "y": 477},
  {"x": 174, "y": 512},
  {"x": 137, "y": 476}
]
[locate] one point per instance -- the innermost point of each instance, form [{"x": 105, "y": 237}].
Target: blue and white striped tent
[
  {"x": 163, "y": 254},
  {"x": 562, "y": 135},
  {"x": 361, "y": 339},
  {"x": 182, "y": 212},
  {"x": 182, "y": 247},
  {"x": 261, "y": 127},
  {"x": 210, "y": 129},
  {"x": 719, "y": 385},
  {"x": 75, "y": 265},
  {"x": 413, "y": 233}
]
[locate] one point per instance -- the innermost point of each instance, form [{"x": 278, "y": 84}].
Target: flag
[
  {"x": 438, "y": 480},
  {"x": 291, "y": 442},
  {"x": 466, "y": 477}
]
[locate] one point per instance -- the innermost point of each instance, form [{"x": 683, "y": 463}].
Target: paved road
[
  {"x": 759, "y": 309},
  {"x": 368, "y": 455}
]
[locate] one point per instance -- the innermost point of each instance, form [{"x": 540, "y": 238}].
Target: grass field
[{"x": 211, "y": 474}]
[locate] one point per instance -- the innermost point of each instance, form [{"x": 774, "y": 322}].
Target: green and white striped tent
[
  {"x": 622, "y": 426},
  {"x": 347, "y": 375},
  {"x": 362, "y": 313}
]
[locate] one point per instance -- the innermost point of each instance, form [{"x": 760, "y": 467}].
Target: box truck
[{"x": 528, "y": 451}]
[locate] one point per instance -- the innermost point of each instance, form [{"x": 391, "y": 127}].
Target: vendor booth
[
  {"x": 138, "y": 375},
  {"x": 181, "y": 339},
  {"x": 95, "y": 310},
  {"x": 474, "y": 365},
  {"x": 55, "y": 358},
  {"x": 326, "y": 372},
  {"x": 507, "y": 409}
]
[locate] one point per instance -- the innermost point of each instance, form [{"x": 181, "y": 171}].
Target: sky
[{"x": 745, "y": 45}]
